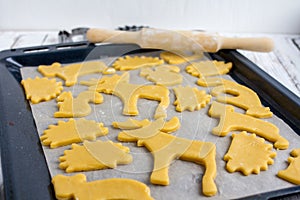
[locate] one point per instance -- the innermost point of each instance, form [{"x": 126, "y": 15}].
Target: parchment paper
[{"x": 185, "y": 177}]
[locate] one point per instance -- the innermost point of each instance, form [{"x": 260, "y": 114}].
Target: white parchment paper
[{"x": 185, "y": 177}]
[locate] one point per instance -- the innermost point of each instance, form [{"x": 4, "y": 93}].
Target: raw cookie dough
[
  {"x": 76, "y": 187},
  {"x": 231, "y": 121},
  {"x": 41, "y": 89},
  {"x": 94, "y": 156},
  {"x": 173, "y": 58},
  {"x": 165, "y": 148},
  {"x": 131, "y": 124},
  {"x": 73, "y": 131},
  {"x": 243, "y": 97},
  {"x": 166, "y": 75},
  {"x": 71, "y": 72},
  {"x": 292, "y": 173},
  {"x": 130, "y": 93},
  {"x": 208, "y": 68},
  {"x": 248, "y": 154},
  {"x": 131, "y": 63},
  {"x": 68, "y": 106},
  {"x": 188, "y": 98}
]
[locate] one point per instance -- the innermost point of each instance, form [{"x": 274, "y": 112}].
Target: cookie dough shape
[
  {"x": 131, "y": 124},
  {"x": 72, "y": 131},
  {"x": 130, "y": 93},
  {"x": 165, "y": 148},
  {"x": 208, "y": 68},
  {"x": 166, "y": 75},
  {"x": 41, "y": 89},
  {"x": 76, "y": 187},
  {"x": 188, "y": 98},
  {"x": 292, "y": 173},
  {"x": 94, "y": 156},
  {"x": 77, "y": 107},
  {"x": 131, "y": 63},
  {"x": 71, "y": 72},
  {"x": 248, "y": 154},
  {"x": 173, "y": 58},
  {"x": 233, "y": 121}
]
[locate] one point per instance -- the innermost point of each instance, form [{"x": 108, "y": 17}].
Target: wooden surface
[{"x": 283, "y": 63}]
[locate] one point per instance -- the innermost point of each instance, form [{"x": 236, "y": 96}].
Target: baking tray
[{"x": 25, "y": 171}]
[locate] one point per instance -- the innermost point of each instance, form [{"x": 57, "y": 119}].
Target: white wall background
[{"x": 265, "y": 16}]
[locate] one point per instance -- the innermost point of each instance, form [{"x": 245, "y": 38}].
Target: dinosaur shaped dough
[
  {"x": 130, "y": 93},
  {"x": 243, "y": 97},
  {"x": 292, "y": 173},
  {"x": 73, "y": 131},
  {"x": 173, "y": 58},
  {"x": 248, "y": 154},
  {"x": 41, "y": 89},
  {"x": 231, "y": 121},
  {"x": 188, "y": 98},
  {"x": 76, "y": 107},
  {"x": 76, "y": 187},
  {"x": 131, "y": 63},
  {"x": 165, "y": 148},
  {"x": 208, "y": 68},
  {"x": 166, "y": 75},
  {"x": 71, "y": 72},
  {"x": 94, "y": 156}
]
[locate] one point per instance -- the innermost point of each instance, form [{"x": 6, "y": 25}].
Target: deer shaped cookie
[
  {"x": 76, "y": 187},
  {"x": 76, "y": 107},
  {"x": 130, "y": 93},
  {"x": 165, "y": 148}
]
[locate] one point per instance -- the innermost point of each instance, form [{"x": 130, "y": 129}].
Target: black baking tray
[{"x": 25, "y": 171}]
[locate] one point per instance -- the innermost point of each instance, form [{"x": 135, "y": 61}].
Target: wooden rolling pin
[{"x": 180, "y": 40}]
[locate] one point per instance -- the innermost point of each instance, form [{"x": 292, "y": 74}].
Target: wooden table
[{"x": 283, "y": 63}]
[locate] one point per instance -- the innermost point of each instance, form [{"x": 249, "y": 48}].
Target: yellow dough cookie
[
  {"x": 76, "y": 107},
  {"x": 131, "y": 124},
  {"x": 188, "y": 98},
  {"x": 208, "y": 68},
  {"x": 76, "y": 187},
  {"x": 131, "y": 63},
  {"x": 173, "y": 58},
  {"x": 166, "y": 75},
  {"x": 94, "y": 156},
  {"x": 165, "y": 148},
  {"x": 292, "y": 173},
  {"x": 243, "y": 97},
  {"x": 71, "y": 72},
  {"x": 248, "y": 154},
  {"x": 231, "y": 121},
  {"x": 130, "y": 93},
  {"x": 72, "y": 131},
  {"x": 41, "y": 89}
]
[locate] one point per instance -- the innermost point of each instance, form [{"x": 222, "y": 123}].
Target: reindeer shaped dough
[
  {"x": 76, "y": 107},
  {"x": 130, "y": 93},
  {"x": 76, "y": 187},
  {"x": 165, "y": 148}
]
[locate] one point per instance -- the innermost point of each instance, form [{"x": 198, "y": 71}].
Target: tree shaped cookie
[
  {"x": 248, "y": 154},
  {"x": 131, "y": 63},
  {"x": 173, "y": 58},
  {"x": 188, "y": 98},
  {"x": 76, "y": 107},
  {"x": 73, "y": 131},
  {"x": 292, "y": 173},
  {"x": 130, "y": 93},
  {"x": 167, "y": 75},
  {"x": 41, "y": 89},
  {"x": 208, "y": 68},
  {"x": 234, "y": 121},
  {"x": 243, "y": 97},
  {"x": 165, "y": 148},
  {"x": 76, "y": 187},
  {"x": 94, "y": 156},
  {"x": 71, "y": 72}
]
